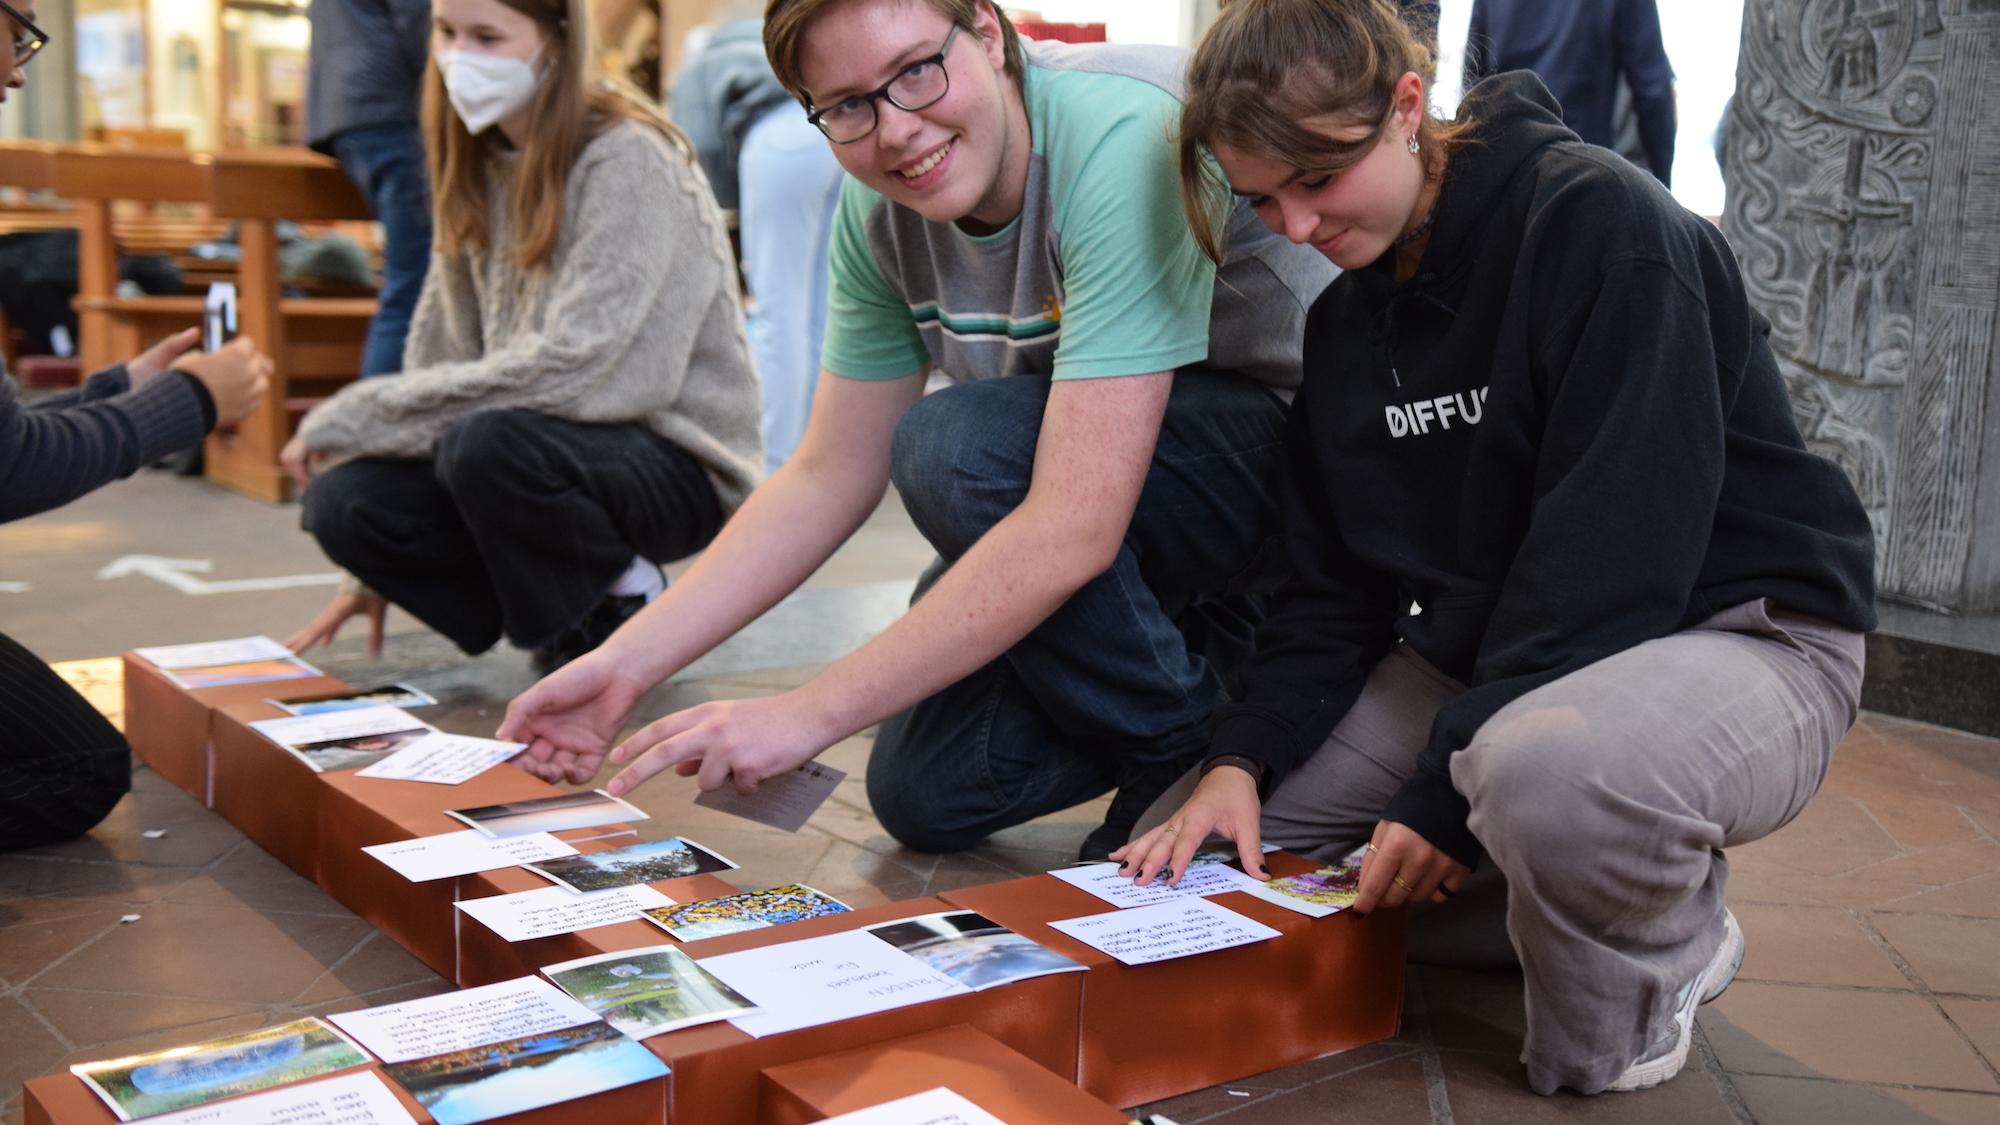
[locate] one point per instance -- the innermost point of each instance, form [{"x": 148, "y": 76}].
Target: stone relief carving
[{"x": 1849, "y": 183}]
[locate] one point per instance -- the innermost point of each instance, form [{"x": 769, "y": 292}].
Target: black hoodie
[{"x": 1565, "y": 436}]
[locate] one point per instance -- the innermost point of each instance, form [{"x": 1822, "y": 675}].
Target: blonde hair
[
  {"x": 1267, "y": 67},
  {"x": 786, "y": 21},
  {"x": 567, "y": 112}
]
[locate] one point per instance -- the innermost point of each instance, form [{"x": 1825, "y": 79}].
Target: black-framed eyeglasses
[
  {"x": 916, "y": 86},
  {"x": 28, "y": 38}
]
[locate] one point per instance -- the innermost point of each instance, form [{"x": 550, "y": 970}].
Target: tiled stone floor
[{"x": 1870, "y": 993}]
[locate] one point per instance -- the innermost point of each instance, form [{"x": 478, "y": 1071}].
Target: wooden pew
[{"x": 315, "y": 341}]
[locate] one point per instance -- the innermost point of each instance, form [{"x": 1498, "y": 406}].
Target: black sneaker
[
  {"x": 596, "y": 627},
  {"x": 1138, "y": 787}
]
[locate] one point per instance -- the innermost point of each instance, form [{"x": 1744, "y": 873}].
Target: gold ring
[
  {"x": 1398, "y": 880},
  {"x": 1371, "y": 846},
  {"x": 1171, "y": 829}
]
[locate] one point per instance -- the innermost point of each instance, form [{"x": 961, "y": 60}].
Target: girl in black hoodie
[{"x": 1568, "y": 591}]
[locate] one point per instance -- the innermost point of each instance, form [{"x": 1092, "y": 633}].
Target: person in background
[
  {"x": 775, "y": 171},
  {"x": 1582, "y": 50},
  {"x": 577, "y": 403},
  {"x": 1638, "y": 600},
  {"x": 62, "y": 765},
  {"x": 1096, "y": 481},
  {"x": 363, "y": 85}
]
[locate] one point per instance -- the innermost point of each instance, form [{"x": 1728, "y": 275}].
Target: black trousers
[
  {"x": 517, "y": 527},
  {"x": 62, "y": 765}
]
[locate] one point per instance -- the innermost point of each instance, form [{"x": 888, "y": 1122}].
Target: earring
[{"x": 1415, "y": 148}]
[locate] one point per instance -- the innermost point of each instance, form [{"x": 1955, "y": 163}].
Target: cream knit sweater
[{"x": 636, "y": 318}]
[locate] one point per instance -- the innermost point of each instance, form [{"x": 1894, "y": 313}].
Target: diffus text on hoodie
[{"x": 1466, "y": 407}]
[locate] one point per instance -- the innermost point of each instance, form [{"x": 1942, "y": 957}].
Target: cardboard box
[
  {"x": 63, "y": 1099},
  {"x": 986, "y": 1072},
  {"x": 168, "y": 725},
  {"x": 265, "y": 791},
  {"x": 717, "y": 1069},
  {"x": 485, "y": 957},
  {"x": 356, "y": 812},
  {"x": 1156, "y": 1031}
]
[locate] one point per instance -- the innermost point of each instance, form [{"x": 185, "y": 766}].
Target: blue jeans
[
  {"x": 387, "y": 163},
  {"x": 790, "y": 183},
  {"x": 1127, "y": 670}
]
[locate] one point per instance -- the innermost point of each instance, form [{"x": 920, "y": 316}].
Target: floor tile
[
  {"x": 36, "y": 932},
  {"x": 27, "y": 875},
  {"x": 28, "y": 1049},
  {"x": 172, "y": 951},
  {"x": 249, "y": 877},
  {"x": 1936, "y": 867},
  {"x": 1805, "y": 1032},
  {"x": 377, "y": 963},
  {"x": 1388, "y": 1093},
  {"x": 90, "y": 1018},
  {"x": 1808, "y": 945},
  {"x": 191, "y": 835},
  {"x": 1805, "y": 1101},
  {"x": 1492, "y": 1089},
  {"x": 1950, "y": 954},
  {"x": 1979, "y": 1021},
  {"x": 1974, "y": 898},
  {"x": 436, "y": 986},
  {"x": 1473, "y": 1010},
  {"x": 1832, "y": 835},
  {"x": 1306, "y": 1073},
  {"x": 1208, "y": 1104},
  {"x": 1775, "y": 884}
]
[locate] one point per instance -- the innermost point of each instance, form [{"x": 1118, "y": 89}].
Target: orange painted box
[
  {"x": 264, "y": 790},
  {"x": 168, "y": 725},
  {"x": 970, "y": 1063},
  {"x": 1323, "y": 985},
  {"x": 717, "y": 1069},
  {"x": 357, "y": 812}
]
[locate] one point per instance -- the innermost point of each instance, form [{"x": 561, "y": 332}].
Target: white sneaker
[{"x": 1669, "y": 1053}]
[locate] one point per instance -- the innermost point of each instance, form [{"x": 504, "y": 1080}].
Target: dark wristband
[{"x": 1243, "y": 762}]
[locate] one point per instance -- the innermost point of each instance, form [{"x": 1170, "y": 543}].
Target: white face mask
[{"x": 484, "y": 88}]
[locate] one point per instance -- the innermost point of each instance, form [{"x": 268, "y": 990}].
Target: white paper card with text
[
  {"x": 305, "y": 730},
  {"x": 941, "y": 1106},
  {"x": 352, "y": 1099},
  {"x": 443, "y": 759},
  {"x": 1201, "y": 880},
  {"x": 208, "y": 654},
  {"x": 463, "y": 853},
  {"x": 460, "y": 1021},
  {"x": 1145, "y": 934},
  {"x": 786, "y": 801},
  {"x": 823, "y": 979},
  {"x": 548, "y": 911}
]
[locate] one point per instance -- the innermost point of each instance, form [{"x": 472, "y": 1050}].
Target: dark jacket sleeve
[
  {"x": 1329, "y": 623},
  {"x": 66, "y": 446},
  {"x": 1628, "y": 479},
  {"x": 1642, "y": 59}
]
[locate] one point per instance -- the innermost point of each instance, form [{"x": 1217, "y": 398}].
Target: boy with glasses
[{"x": 1097, "y": 481}]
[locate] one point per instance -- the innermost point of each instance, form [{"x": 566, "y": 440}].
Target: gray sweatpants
[{"x": 1603, "y": 801}]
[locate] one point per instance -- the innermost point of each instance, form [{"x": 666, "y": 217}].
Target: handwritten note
[
  {"x": 786, "y": 801},
  {"x": 1145, "y": 934},
  {"x": 1201, "y": 880},
  {"x": 941, "y": 1106},
  {"x": 820, "y": 980},
  {"x": 462, "y": 853},
  {"x": 351, "y": 1099},
  {"x": 460, "y": 1021},
  {"x": 444, "y": 759},
  {"x": 548, "y": 911},
  {"x": 208, "y": 654}
]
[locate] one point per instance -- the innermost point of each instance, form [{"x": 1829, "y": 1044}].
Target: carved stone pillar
[{"x": 1863, "y": 169}]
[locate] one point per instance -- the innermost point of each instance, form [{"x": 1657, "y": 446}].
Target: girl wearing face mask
[{"x": 577, "y": 403}]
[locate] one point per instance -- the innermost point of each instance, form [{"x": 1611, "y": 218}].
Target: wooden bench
[{"x": 316, "y": 342}]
